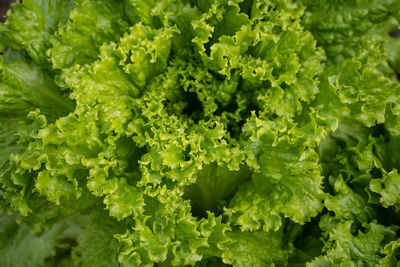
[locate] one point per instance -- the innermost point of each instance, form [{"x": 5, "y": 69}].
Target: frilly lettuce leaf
[
  {"x": 25, "y": 87},
  {"x": 30, "y": 25},
  {"x": 347, "y": 204},
  {"x": 202, "y": 133},
  {"x": 388, "y": 189},
  {"x": 353, "y": 70},
  {"x": 288, "y": 177},
  {"x": 355, "y": 249},
  {"x": 255, "y": 45},
  {"x": 391, "y": 252},
  {"x": 89, "y": 25}
]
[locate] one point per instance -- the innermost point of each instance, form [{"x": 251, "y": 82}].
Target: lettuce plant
[{"x": 203, "y": 133}]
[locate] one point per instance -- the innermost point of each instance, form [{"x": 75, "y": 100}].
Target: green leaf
[
  {"x": 19, "y": 246},
  {"x": 30, "y": 24},
  {"x": 287, "y": 180},
  {"x": 362, "y": 249},
  {"x": 388, "y": 188},
  {"x": 96, "y": 243},
  {"x": 257, "y": 249},
  {"x": 391, "y": 252},
  {"x": 25, "y": 86},
  {"x": 348, "y": 205},
  {"x": 90, "y": 24}
]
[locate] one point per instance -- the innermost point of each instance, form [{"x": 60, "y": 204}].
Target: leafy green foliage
[{"x": 202, "y": 133}]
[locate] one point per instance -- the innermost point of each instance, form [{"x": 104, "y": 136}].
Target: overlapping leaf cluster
[{"x": 203, "y": 133}]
